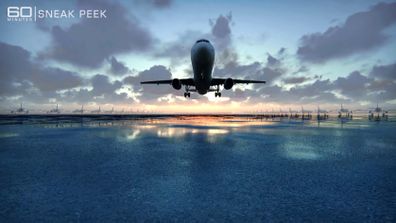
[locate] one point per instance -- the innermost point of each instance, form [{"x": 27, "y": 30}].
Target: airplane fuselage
[{"x": 202, "y": 59}]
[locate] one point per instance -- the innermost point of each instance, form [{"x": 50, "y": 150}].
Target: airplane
[
  {"x": 96, "y": 111},
  {"x": 79, "y": 110},
  {"x": 375, "y": 113},
  {"x": 20, "y": 110},
  {"x": 322, "y": 114},
  {"x": 306, "y": 114},
  {"x": 344, "y": 111},
  {"x": 202, "y": 59},
  {"x": 294, "y": 113},
  {"x": 54, "y": 110}
]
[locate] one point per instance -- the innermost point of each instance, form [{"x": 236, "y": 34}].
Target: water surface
[{"x": 198, "y": 169}]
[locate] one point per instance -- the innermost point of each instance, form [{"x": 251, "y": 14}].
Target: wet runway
[{"x": 197, "y": 169}]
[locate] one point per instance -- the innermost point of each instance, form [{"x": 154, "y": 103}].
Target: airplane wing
[
  {"x": 187, "y": 81},
  {"x": 220, "y": 81}
]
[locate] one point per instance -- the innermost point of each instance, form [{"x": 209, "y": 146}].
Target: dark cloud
[
  {"x": 117, "y": 67},
  {"x": 269, "y": 74},
  {"x": 281, "y": 51},
  {"x": 221, "y": 31},
  {"x": 220, "y": 36},
  {"x": 40, "y": 84},
  {"x": 89, "y": 42},
  {"x": 226, "y": 56},
  {"x": 361, "y": 31},
  {"x": 161, "y": 3},
  {"x": 19, "y": 75},
  {"x": 103, "y": 91},
  {"x": 302, "y": 69},
  {"x": 295, "y": 80},
  {"x": 53, "y": 79},
  {"x": 381, "y": 90},
  {"x": 272, "y": 61},
  {"x": 101, "y": 85},
  {"x": 151, "y": 92},
  {"x": 384, "y": 72},
  {"x": 234, "y": 69},
  {"x": 255, "y": 70},
  {"x": 158, "y": 4},
  {"x": 221, "y": 27},
  {"x": 319, "y": 91},
  {"x": 179, "y": 50},
  {"x": 352, "y": 86}
]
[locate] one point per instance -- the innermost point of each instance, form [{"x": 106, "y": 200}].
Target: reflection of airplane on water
[
  {"x": 378, "y": 114},
  {"x": 96, "y": 111},
  {"x": 20, "y": 110},
  {"x": 202, "y": 58},
  {"x": 54, "y": 110},
  {"x": 81, "y": 111}
]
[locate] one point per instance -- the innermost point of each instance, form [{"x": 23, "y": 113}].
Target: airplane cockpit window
[{"x": 202, "y": 40}]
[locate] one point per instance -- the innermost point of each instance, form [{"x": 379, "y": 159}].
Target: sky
[{"x": 311, "y": 53}]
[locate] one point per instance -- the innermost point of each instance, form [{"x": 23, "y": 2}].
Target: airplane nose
[{"x": 203, "y": 51}]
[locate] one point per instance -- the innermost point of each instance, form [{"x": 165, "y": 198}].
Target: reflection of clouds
[
  {"x": 8, "y": 134},
  {"x": 166, "y": 131},
  {"x": 300, "y": 152},
  {"x": 133, "y": 135},
  {"x": 210, "y": 121},
  {"x": 172, "y": 132}
]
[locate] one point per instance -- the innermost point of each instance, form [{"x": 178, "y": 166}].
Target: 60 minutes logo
[
  {"x": 28, "y": 13},
  {"x": 15, "y": 13}
]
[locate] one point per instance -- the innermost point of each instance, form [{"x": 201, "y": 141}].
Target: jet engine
[
  {"x": 228, "y": 83},
  {"x": 176, "y": 84}
]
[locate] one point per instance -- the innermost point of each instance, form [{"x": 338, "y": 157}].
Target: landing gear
[
  {"x": 217, "y": 93},
  {"x": 187, "y": 93}
]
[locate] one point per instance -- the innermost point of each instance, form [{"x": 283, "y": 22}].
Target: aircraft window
[{"x": 202, "y": 40}]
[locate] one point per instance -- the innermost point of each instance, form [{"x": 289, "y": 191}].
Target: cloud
[
  {"x": 230, "y": 67},
  {"x": 352, "y": 86},
  {"x": 117, "y": 67},
  {"x": 319, "y": 91},
  {"x": 235, "y": 70},
  {"x": 103, "y": 91},
  {"x": 101, "y": 85},
  {"x": 295, "y": 80},
  {"x": 159, "y": 4},
  {"x": 53, "y": 79},
  {"x": 19, "y": 75},
  {"x": 221, "y": 27},
  {"x": 89, "y": 42},
  {"x": 220, "y": 35},
  {"x": 272, "y": 61},
  {"x": 361, "y": 32},
  {"x": 384, "y": 72},
  {"x": 179, "y": 50},
  {"x": 151, "y": 92},
  {"x": 221, "y": 30}
]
